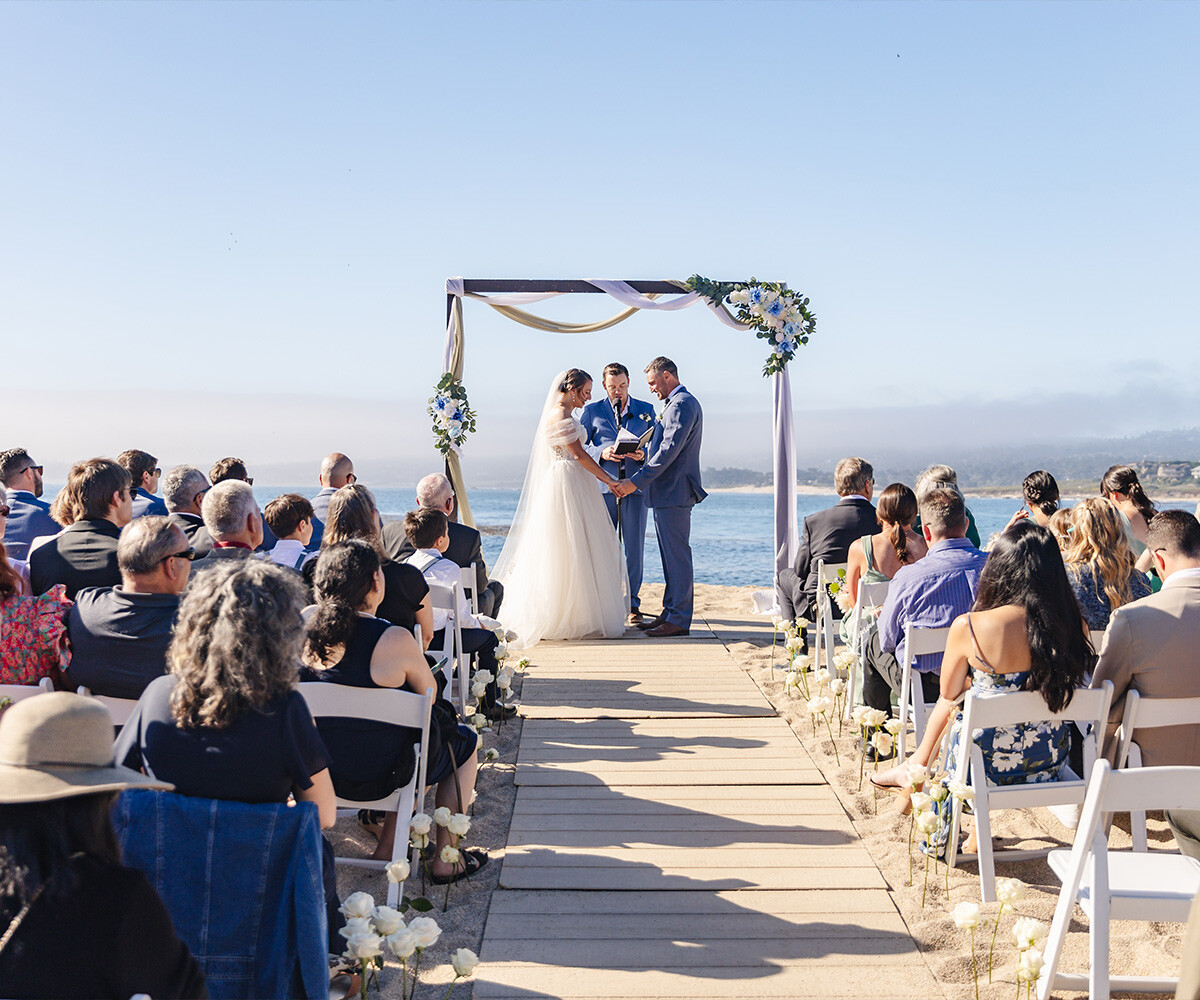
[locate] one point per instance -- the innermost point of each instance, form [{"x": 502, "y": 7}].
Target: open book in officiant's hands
[{"x": 628, "y": 443}]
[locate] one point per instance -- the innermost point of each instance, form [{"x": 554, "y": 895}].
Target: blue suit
[
  {"x": 30, "y": 519},
  {"x": 599, "y": 421},
  {"x": 671, "y": 481},
  {"x": 147, "y": 503}
]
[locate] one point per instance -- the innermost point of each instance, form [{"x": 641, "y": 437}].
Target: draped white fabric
[{"x": 783, "y": 433}]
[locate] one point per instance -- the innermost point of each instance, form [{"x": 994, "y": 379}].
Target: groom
[
  {"x": 601, "y": 421},
  {"x": 671, "y": 480}
]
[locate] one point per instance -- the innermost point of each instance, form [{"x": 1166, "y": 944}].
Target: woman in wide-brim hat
[{"x": 73, "y": 921}]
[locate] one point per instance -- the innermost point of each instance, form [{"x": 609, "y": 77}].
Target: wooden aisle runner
[{"x": 671, "y": 838}]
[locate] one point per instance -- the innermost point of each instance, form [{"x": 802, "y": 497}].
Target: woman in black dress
[{"x": 348, "y": 643}]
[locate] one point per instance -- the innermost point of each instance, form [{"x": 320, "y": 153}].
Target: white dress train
[{"x": 563, "y": 573}]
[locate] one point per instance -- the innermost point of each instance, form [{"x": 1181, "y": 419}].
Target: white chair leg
[{"x": 905, "y": 684}]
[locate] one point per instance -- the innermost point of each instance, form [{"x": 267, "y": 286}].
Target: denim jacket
[{"x": 242, "y": 884}]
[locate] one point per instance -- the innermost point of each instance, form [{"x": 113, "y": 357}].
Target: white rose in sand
[
  {"x": 859, "y": 714},
  {"x": 1027, "y": 932},
  {"x": 837, "y": 686},
  {"x": 357, "y": 925},
  {"x": 398, "y": 871},
  {"x": 402, "y": 944},
  {"x": 484, "y": 676},
  {"x": 478, "y": 690},
  {"x": 882, "y": 742},
  {"x": 419, "y": 840},
  {"x": 920, "y": 801},
  {"x": 421, "y": 823},
  {"x": 1009, "y": 890},
  {"x": 875, "y": 717},
  {"x": 501, "y": 650},
  {"x": 918, "y": 774},
  {"x": 1029, "y": 967},
  {"x": 479, "y": 721},
  {"x": 510, "y": 636},
  {"x": 425, "y": 931},
  {"x": 938, "y": 792},
  {"x": 966, "y": 916},
  {"x": 459, "y": 824},
  {"x": 358, "y": 904},
  {"x": 441, "y": 816},
  {"x": 927, "y": 822},
  {"x": 892, "y": 727},
  {"x": 387, "y": 920},
  {"x": 794, "y": 644},
  {"x": 961, "y": 791},
  {"x": 450, "y": 855},
  {"x": 491, "y": 754},
  {"x": 362, "y": 946},
  {"x": 823, "y": 677},
  {"x": 464, "y": 961}
]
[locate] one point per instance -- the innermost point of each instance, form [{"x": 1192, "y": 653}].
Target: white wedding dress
[{"x": 563, "y": 572}]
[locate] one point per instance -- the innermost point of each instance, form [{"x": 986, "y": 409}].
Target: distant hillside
[{"x": 730, "y": 478}]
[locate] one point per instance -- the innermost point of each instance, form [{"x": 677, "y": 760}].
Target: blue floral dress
[{"x": 1012, "y": 755}]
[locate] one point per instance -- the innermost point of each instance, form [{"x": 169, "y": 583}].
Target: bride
[{"x": 562, "y": 570}]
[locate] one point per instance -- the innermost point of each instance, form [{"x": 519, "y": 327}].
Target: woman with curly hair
[
  {"x": 1023, "y": 633},
  {"x": 1100, "y": 562}
]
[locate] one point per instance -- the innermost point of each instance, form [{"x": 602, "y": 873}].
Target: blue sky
[{"x": 226, "y": 228}]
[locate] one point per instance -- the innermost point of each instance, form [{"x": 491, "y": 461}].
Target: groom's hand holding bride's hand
[{"x": 623, "y": 488}]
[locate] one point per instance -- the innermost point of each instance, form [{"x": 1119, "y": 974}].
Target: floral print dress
[
  {"x": 1012, "y": 755},
  {"x": 33, "y": 640}
]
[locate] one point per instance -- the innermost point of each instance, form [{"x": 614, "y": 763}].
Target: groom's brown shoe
[
  {"x": 666, "y": 630},
  {"x": 646, "y": 624}
]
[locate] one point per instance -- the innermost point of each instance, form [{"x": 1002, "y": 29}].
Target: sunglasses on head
[{"x": 5, "y": 510}]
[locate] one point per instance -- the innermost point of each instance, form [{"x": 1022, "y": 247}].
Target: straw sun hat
[{"x": 56, "y": 745}]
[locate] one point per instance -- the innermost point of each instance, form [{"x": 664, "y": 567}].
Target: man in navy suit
[
  {"x": 601, "y": 422},
  {"x": 30, "y": 517},
  {"x": 144, "y": 473},
  {"x": 671, "y": 481}
]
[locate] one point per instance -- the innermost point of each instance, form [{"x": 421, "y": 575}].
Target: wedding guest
[
  {"x": 233, "y": 520},
  {"x": 290, "y": 518},
  {"x": 1150, "y": 647},
  {"x": 880, "y": 554},
  {"x": 227, "y": 722},
  {"x": 353, "y": 514},
  {"x": 1023, "y": 633},
  {"x": 85, "y": 554},
  {"x": 18, "y": 566},
  {"x": 336, "y": 471},
  {"x": 465, "y": 548},
  {"x": 828, "y": 535},
  {"x": 234, "y": 468},
  {"x": 940, "y": 477},
  {"x": 144, "y": 473},
  {"x": 32, "y": 635},
  {"x": 119, "y": 635},
  {"x": 427, "y": 530},
  {"x": 1040, "y": 493},
  {"x": 1060, "y": 527},
  {"x": 29, "y": 517},
  {"x": 183, "y": 489},
  {"x": 1120, "y": 484},
  {"x": 1100, "y": 562},
  {"x": 929, "y": 593},
  {"x": 59, "y": 857},
  {"x": 348, "y": 644}
]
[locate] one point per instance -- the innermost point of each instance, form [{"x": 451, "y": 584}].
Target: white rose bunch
[
  {"x": 425, "y": 931},
  {"x": 463, "y": 962},
  {"x": 966, "y": 916}
]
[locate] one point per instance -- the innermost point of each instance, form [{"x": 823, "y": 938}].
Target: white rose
[
  {"x": 1027, "y": 932},
  {"x": 425, "y": 931},
  {"x": 357, "y": 925},
  {"x": 459, "y": 824},
  {"x": 387, "y": 920},
  {"x": 1009, "y": 890},
  {"x": 961, "y": 791},
  {"x": 359, "y": 904},
  {"x": 837, "y": 686},
  {"x": 398, "y": 871},
  {"x": 491, "y": 754},
  {"x": 501, "y": 650},
  {"x": 920, "y": 801},
  {"x": 918, "y": 774},
  {"x": 421, "y": 823},
  {"x": 402, "y": 944},
  {"x": 360, "y": 946},
  {"x": 464, "y": 961},
  {"x": 882, "y": 742},
  {"x": 478, "y": 690},
  {"x": 927, "y": 822},
  {"x": 479, "y": 721},
  {"x": 794, "y": 644},
  {"x": 892, "y": 727},
  {"x": 1029, "y": 967},
  {"x": 823, "y": 677},
  {"x": 441, "y": 816},
  {"x": 484, "y": 676},
  {"x": 938, "y": 792},
  {"x": 509, "y": 636},
  {"x": 858, "y": 715},
  {"x": 450, "y": 855},
  {"x": 966, "y": 916}
]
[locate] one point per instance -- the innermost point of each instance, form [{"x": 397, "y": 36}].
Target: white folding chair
[
  {"x": 870, "y": 595},
  {"x": 917, "y": 642},
  {"x": 19, "y": 692},
  {"x": 446, "y": 599},
  {"x": 398, "y": 708},
  {"x": 1088, "y": 710},
  {"x": 1120, "y": 885},
  {"x": 827, "y": 573},
  {"x": 119, "y": 708},
  {"x": 467, "y": 581},
  {"x": 1149, "y": 713}
]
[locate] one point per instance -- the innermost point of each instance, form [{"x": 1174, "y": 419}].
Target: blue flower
[
  {"x": 790, "y": 330},
  {"x": 440, "y": 403},
  {"x": 776, "y": 308},
  {"x": 756, "y": 296}
]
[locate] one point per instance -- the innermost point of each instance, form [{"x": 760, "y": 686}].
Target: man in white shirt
[{"x": 428, "y": 530}]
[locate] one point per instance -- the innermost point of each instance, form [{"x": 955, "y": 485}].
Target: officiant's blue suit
[
  {"x": 599, "y": 421},
  {"x": 670, "y": 478}
]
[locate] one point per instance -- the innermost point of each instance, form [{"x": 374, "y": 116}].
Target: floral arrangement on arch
[
  {"x": 773, "y": 311},
  {"x": 453, "y": 418}
]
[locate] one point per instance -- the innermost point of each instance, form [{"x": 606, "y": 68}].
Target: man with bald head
[
  {"x": 465, "y": 548},
  {"x": 336, "y": 471}
]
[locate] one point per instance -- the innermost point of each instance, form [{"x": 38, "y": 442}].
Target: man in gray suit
[
  {"x": 671, "y": 480},
  {"x": 1150, "y": 647}
]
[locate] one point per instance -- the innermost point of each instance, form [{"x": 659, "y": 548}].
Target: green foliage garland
[{"x": 773, "y": 311}]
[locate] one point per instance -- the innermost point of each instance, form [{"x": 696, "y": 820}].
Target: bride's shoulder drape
[{"x": 561, "y": 431}]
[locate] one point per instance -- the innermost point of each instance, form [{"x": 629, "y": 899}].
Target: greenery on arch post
[
  {"x": 453, "y": 418},
  {"x": 773, "y": 311}
]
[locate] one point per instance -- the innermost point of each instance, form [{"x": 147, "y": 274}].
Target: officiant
[{"x": 603, "y": 420}]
